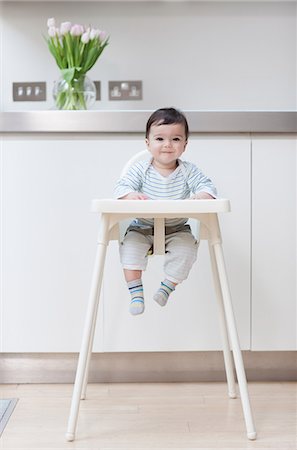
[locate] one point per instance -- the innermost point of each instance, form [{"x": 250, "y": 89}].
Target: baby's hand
[
  {"x": 135, "y": 196},
  {"x": 201, "y": 196}
]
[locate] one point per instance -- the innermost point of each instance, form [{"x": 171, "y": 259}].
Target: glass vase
[{"x": 79, "y": 93}]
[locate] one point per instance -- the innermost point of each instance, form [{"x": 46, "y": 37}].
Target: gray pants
[{"x": 180, "y": 253}]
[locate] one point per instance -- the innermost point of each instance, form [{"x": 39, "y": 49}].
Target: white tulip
[
  {"x": 51, "y": 23},
  {"x": 52, "y": 31},
  {"x": 94, "y": 33},
  {"x": 85, "y": 37}
]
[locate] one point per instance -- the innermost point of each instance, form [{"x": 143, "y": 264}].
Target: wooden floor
[{"x": 150, "y": 416}]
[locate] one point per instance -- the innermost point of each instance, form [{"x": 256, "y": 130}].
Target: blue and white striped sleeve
[
  {"x": 130, "y": 182},
  {"x": 198, "y": 182}
]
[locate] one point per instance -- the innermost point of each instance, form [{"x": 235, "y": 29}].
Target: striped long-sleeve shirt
[{"x": 185, "y": 181}]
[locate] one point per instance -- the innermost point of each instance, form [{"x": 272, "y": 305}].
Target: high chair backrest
[{"x": 140, "y": 156}]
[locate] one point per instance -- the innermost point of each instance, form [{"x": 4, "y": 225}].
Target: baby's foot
[
  {"x": 162, "y": 294},
  {"x": 136, "y": 306},
  {"x": 137, "y": 300}
]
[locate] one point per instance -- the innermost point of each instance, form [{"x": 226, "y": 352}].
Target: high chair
[{"x": 111, "y": 213}]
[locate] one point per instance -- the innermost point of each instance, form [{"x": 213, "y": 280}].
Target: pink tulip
[
  {"x": 77, "y": 30},
  {"x": 65, "y": 28},
  {"x": 102, "y": 35}
]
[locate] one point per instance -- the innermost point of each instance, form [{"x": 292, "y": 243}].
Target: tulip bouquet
[{"x": 76, "y": 50}]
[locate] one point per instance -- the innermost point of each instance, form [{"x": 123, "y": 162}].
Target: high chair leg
[
  {"x": 86, "y": 375},
  {"x": 86, "y": 347},
  {"x": 223, "y": 326},
  {"x": 242, "y": 383}
]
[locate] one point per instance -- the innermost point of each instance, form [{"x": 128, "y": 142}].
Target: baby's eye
[
  {"x": 177, "y": 139},
  {"x": 159, "y": 139}
]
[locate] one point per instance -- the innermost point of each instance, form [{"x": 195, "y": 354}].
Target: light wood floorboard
[{"x": 150, "y": 416}]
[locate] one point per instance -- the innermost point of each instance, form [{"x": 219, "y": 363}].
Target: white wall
[
  {"x": 193, "y": 55},
  {"x": 1, "y": 54}
]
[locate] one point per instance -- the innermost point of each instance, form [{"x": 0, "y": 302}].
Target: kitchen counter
[{"x": 134, "y": 121}]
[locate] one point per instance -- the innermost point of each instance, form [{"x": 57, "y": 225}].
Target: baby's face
[{"x": 166, "y": 144}]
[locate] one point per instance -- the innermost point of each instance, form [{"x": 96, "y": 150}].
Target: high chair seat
[{"x": 111, "y": 213}]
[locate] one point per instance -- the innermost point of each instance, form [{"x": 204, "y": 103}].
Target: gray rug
[{"x": 6, "y": 408}]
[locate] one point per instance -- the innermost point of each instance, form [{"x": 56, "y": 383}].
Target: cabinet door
[
  {"x": 49, "y": 235},
  {"x": 274, "y": 243},
  {"x": 190, "y": 321}
]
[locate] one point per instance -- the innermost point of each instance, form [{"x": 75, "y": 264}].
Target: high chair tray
[{"x": 165, "y": 208}]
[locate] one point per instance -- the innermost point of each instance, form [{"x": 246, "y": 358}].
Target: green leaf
[
  {"x": 69, "y": 49},
  {"x": 91, "y": 59},
  {"x": 55, "y": 52},
  {"x": 68, "y": 74}
]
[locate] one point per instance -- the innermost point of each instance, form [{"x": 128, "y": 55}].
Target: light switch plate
[
  {"x": 125, "y": 90},
  {"x": 34, "y": 91}
]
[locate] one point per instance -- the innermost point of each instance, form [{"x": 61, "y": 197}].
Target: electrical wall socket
[
  {"x": 125, "y": 90},
  {"x": 34, "y": 91}
]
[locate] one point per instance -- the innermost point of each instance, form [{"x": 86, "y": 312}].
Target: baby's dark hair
[{"x": 167, "y": 116}]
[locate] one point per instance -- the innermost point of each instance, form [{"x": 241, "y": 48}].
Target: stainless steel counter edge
[{"x": 134, "y": 121}]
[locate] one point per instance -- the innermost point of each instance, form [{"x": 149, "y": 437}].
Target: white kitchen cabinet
[
  {"x": 49, "y": 244},
  {"x": 49, "y": 235},
  {"x": 274, "y": 252}
]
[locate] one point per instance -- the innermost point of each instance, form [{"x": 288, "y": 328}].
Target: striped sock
[
  {"x": 137, "y": 300},
  {"x": 162, "y": 295}
]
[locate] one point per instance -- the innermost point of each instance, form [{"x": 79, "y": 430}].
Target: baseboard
[{"x": 144, "y": 367}]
